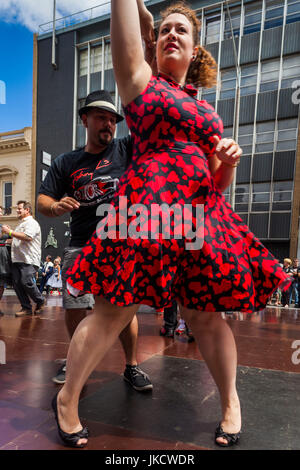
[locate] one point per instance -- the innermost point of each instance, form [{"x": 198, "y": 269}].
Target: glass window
[
  {"x": 209, "y": 94},
  {"x": 282, "y": 195},
  {"x": 265, "y": 137},
  {"x": 7, "y": 197},
  {"x": 260, "y": 197},
  {"x": 83, "y": 62},
  {"x": 248, "y": 80},
  {"x": 287, "y": 124},
  {"x": 291, "y": 70},
  {"x": 95, "y": 59},
  {"x": 241, "y": 197},
  {"x": 253, "y": 13},
  {"x": 228, "y": 84},
  {"x": 269, "y": 75},
  {"x": 235, "y": 15},
  {"x": 287, "y": 140},
  {"x": 293, "y": 11},
  {"x": 265, "y": 126},
  {"x": 212, "y": 29}
]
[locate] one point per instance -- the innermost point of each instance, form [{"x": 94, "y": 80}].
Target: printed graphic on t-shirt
[{"x": 96, "y": 191}]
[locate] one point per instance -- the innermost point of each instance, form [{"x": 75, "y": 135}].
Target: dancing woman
[{"x": 179, "y": 157}]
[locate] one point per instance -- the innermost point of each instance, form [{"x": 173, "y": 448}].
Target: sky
[{"x": 19, "y": 20}]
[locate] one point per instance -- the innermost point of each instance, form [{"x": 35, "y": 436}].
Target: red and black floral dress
[{"x": 207, "y": 259}]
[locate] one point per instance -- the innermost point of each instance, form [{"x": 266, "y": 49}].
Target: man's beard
[{"x": 105, "y": 140}]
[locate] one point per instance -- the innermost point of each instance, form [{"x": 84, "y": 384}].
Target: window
[
  {"x": 83, "y": 62},
  {"x": 241, "y": 197},
  {"x": 265, "y": 137},
  {"x": 248, "y": 80},
  {"x": 274, "y": 13},
  {"x": 282, "y": 195},
  {"x": 253, "y": 13},
  {"x": 212, "y": 28},
  {"x": 287, "y": 135},
  {"x": 95, "y": 59},
  {"x": 7, "y": 197},
  {"x": 209, "y": 94},
  {"x": 235, "y": 15},
  {"x": 228, "y": 84},
  {"x": 291, "y": 70},
  {"x": 269, "y": 75},
  {"x": 293, "y": 11},
  {"x": 261, "y": 197},
  {"x": 246, "y": 138}
]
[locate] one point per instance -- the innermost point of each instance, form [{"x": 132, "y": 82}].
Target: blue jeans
[{"x": 294, "y": 288}]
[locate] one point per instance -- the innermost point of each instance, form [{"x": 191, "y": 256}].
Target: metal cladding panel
[
  {"x": 55, "y": 95},
  {"x": 280, "y": 225},
  {"x": 227, "y": 53},
  {"x": 247, "y": 109},
  {"x": 271, "y": 43},
  {"x": 249, "y": 48},
  {"x": 243, "y": 170},
  {"x": 286, "y": 106},
  {"x": 292, "y": 38},
  {"x": 82, "y": 87},
  {"x": 95, "y": 83},
  {"x": 109, "y": 80},
  {"x": 262, "y": 167},
  {"x": 258, "y": 224},
  {"x": 226, "y": 111},
  {"x": 284, "y": 165},
  {"x": 213, "y": 49},
  {"x": 266, "y": 110}
]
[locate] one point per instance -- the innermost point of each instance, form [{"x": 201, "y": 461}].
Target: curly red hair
[{"x": 203, "y": 70}]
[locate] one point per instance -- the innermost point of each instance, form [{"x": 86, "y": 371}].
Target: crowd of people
[{"x": 175, "y": 154}]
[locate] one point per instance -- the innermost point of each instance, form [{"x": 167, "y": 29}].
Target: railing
[
  {"x": 79, "y": 17},
  {"x": 76, "y": 18}
]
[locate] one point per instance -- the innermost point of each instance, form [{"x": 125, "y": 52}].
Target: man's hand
[
  {"x": 227, "y": 151},
  {"x": 66, "y": 204}
]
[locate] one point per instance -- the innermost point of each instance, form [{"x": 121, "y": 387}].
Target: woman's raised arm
[{"x": 132, "y": 72}]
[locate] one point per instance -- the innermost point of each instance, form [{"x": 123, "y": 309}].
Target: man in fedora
[{"x": 76, "y": 183}]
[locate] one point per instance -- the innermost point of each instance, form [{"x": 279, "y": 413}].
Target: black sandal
[
  {"x": 69, "y": 439},
  {"x": 232, "y": 439}
]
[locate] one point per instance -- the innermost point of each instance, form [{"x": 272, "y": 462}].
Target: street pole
[
  {"x": 236, "y": 117},
  {"x": 54, "y": 65}
]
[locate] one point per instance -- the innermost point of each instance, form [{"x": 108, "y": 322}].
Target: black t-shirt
[{"x": 91, "y": 179}]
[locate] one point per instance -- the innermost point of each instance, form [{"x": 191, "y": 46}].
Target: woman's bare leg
[
  {"x": 217, "y": 346},
  {"x": 92, "y": 339}
]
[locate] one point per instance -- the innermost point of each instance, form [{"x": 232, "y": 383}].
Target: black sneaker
[
  {"x": 60, "y": 377},
  {"x": 137, "y": 379}
]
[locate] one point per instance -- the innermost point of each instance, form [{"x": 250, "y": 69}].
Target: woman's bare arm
[{"x": 131, "y": 70}]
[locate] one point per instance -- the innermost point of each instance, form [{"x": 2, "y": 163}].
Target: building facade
[
  {"x": 17, "y": 173},
  {"x": 257, "y": 48}
]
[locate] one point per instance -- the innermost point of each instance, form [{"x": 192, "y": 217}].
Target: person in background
[
  {"x": 294, "y": 292},
  {"x": 5, "y": 261},
  {"x": 26, "y": 259},
  {"x": 46, "y": 272},
  {"x": 68, "y": 189},
  {"x": 54, "y": 283},
  {"x": 285, "y": 295}
]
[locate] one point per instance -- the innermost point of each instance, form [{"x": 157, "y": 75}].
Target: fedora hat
[{"x": 102, "y": 100}]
